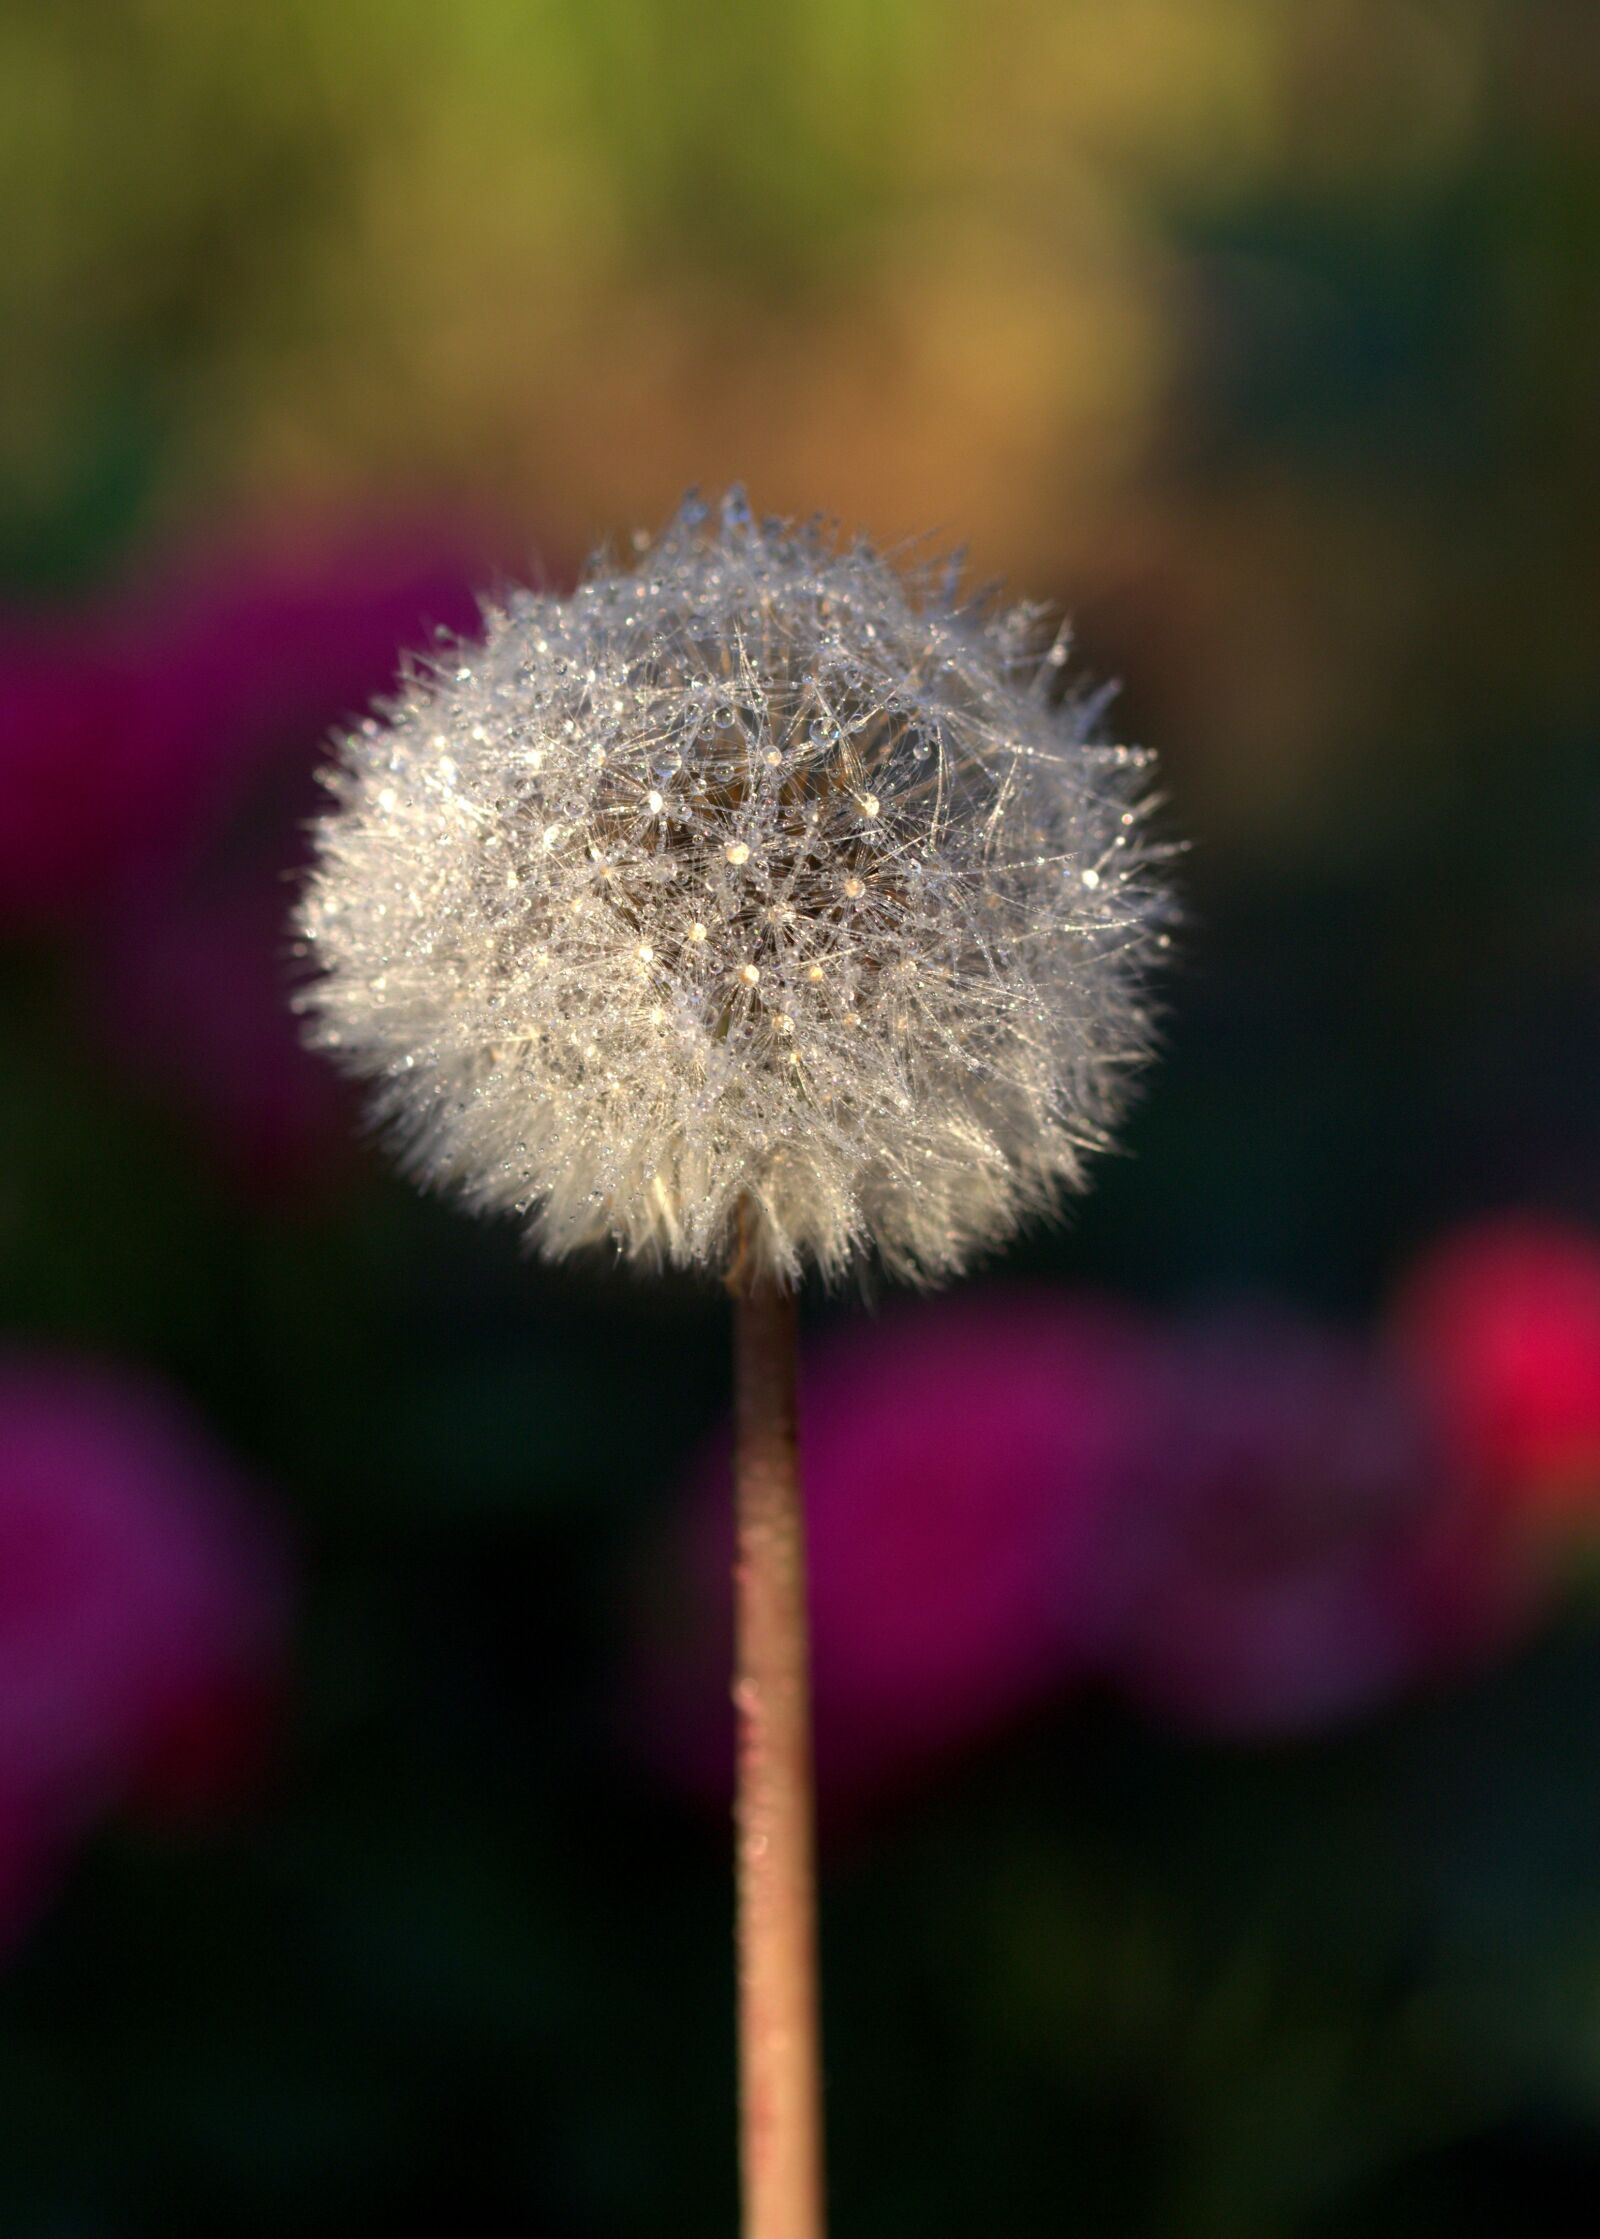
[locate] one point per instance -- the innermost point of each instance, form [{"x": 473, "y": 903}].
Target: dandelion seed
[
  {"x": 1008, "y": 868},
  {"x": 500, "y": 947}
]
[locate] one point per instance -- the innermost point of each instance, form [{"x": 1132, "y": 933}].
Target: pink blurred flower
[
  {"x": 133, "y": 730},
  {"x": 1499, "y": 1325},
  {"x": 961, "y": 1463},
  {"x": 1246, "y": 1526},
  {"x": 192, "y": 994},
  {"x": 97, "y": 761},
  {"x": 142, "y": 1613},
  {"x": 1306, "y": 1552},
  {"x": 156, "y": 760}
]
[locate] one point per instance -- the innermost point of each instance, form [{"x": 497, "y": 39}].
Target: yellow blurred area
[
  {"x": 928, "y": 264},
  {"x": 893, "y": 256}
]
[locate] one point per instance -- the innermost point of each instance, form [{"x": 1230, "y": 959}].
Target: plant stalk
[{"x": 779, "y": 2067}]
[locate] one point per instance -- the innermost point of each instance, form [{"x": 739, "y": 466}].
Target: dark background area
[{"x": 1265, "y": 342}]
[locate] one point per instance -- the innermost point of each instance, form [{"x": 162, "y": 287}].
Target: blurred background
[{"x": 1207, "y": 1599}]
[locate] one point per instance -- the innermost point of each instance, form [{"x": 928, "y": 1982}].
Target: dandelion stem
[{"x": 779, "y": 2082}]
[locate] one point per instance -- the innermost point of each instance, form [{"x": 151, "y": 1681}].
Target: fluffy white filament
[{"x": 756, "y": 873}]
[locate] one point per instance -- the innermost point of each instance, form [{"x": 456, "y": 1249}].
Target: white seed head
[{"x": 756, "y": 874}]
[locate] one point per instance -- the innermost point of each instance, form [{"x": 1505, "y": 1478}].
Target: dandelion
[
  {"x": 760, "y": 907},
  {"x": 795, "y": 786}
]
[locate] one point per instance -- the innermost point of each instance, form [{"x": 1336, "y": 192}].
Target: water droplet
[{"x": 737, "y": 852}]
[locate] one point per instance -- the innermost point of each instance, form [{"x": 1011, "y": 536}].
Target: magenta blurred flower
[
  {"x": 97, "y": 760},
  {"x": 157, "y": 759},
  {"x": 137, "y": 731},
  {"x": 962, "y": 1461},
  {"x": 1306, "y": 1553},
  {"x": 191, "y": 991},
  {"x": 143, "y": 1607},
  {"x": 1247, "y": 1527},
  {"x": 1500, "y": 1327}
]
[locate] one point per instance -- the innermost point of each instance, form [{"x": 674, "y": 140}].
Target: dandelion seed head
[{"x": 756, "y": 873}]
